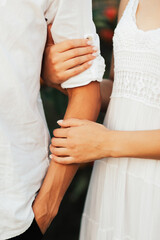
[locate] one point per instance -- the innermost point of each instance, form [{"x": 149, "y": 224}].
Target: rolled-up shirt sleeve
[{"x": 72, "y": 19}]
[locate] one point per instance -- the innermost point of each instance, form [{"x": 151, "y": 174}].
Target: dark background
[{"x": 66, "y": 225}]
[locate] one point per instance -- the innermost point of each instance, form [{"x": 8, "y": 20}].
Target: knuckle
[
  {"x": 56, "y": 68},
  {"x": 59, "y": 77},
  {"x": 54, "y": 60}
]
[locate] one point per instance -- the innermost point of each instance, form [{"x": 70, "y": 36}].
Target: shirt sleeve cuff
[{"x": 94, "y": 73}]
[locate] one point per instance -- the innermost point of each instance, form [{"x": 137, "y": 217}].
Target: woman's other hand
[
  {"x": 67, "y": 59},
  {"x": 80, "y": 141}
]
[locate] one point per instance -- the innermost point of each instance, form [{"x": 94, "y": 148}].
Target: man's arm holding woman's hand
[
  {"x": 84, "y": 103},
  {"x": 61, "y": 62}
]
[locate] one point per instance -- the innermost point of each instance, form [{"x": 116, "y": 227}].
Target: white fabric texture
[
  {"x": 124, "y": 194},
  {"x": 74, "y": 20},
  {"x": 24, "y": 136}
]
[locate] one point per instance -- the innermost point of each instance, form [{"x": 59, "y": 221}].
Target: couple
[{"x": 123, "y": 197}]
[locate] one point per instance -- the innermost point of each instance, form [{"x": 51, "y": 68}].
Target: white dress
[{"x": 123, "y": 201}]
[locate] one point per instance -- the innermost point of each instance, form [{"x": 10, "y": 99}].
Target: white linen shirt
[{"x": 24, "y": 136}]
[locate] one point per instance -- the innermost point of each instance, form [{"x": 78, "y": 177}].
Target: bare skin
[
  {"x": 59, "y": 176},
  {"x": 117, "y": 144},
  {"x": 70, "y": 145},
  {"x": 62, "y": 61},
  {"x": 147, "y": 16},
  {"x": 65, "y": 60}
]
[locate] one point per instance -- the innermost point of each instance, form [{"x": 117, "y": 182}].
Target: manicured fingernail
[
  {"x": 90, "y": 43},
  {"x": 59, "y": 121},
  {"x": 95, "y": 54},
  {"x": 90, "y": 62},
  {"x": 95, "y": 49},
  {"x": 50, "y": 156}
]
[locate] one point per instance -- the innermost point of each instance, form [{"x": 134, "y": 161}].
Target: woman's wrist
[{"x": 113, "y": 144}]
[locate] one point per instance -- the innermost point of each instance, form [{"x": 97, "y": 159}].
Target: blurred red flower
[
  {"x": 111, "y": 13},
  {"x": 106, "y": 34}
]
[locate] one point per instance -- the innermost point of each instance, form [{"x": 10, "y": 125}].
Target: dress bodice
[{"x": 137, "y": 60}]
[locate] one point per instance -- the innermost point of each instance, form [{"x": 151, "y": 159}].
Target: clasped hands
[{"x": 80, "y": 141}]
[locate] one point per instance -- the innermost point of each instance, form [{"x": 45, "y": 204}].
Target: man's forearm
[{"x": 84, "y": 103}]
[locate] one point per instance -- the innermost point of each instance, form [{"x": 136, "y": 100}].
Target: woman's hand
[
  {"x": 80, "y": 141},
  {"x": 67, "y": 59}
]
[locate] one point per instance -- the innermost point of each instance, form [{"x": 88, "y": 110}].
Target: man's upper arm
[{"x": 73, "y": 20}]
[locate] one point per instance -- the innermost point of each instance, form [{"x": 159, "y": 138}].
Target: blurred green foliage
[{"x": 67, "y": 223}]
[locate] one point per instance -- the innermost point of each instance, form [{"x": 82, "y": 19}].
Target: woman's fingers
[
  {"x": 74, "y": 57},
  {"x": 60, "y": 132},
  {"x": 70, "y": 44},
  {"x": 62, "y": 160},
  {"x": 76, "y": 52},
  {"x": 59, "y": 142},
  {"x": 75, "y": 62},
  {"x": 72, "y": 122},
  {"x": 61, "y": 152},
  {"x": 68, "y": 73},
  {"x": 77, "y": 70},
  {"x": 64, "y": 131}
]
